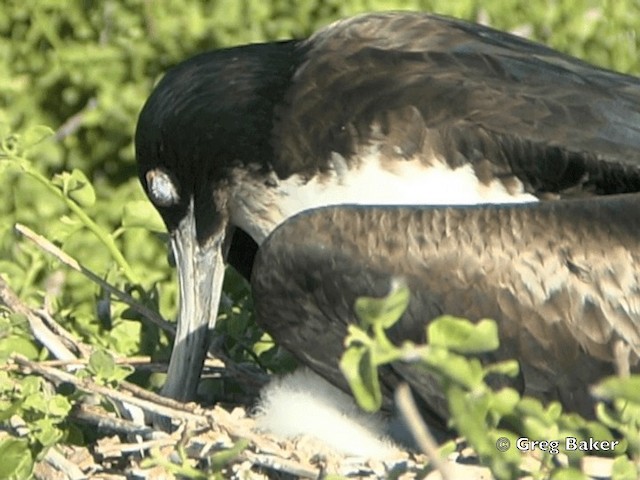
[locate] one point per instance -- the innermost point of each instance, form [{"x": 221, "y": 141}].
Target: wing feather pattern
[
  {"x": 469, "y": 92},
  {"x": 560, "y": 278}
]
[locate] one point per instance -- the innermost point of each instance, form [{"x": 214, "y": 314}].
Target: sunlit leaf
[
  {"x": 141, "y": 214},
  {"x": 101, "y": 363},
  {"x": 383, "y": 311},
  {"x": 80, "y": 189},
  {"x": 35, "y": 135},
  {"x": 622, "y": 388},
  {"x": 45, "y": 431},
  {"x": 17, "y": 462},
  {"x": 463, "y": 336},
  {"x": 568, "y": 474},
  {"x": 362, "y": 375},
  {"x": 59, "y": 406},
  {"x": 624, "y": 469},
  {"x": 505, "y": 400},
  {"x": 222, "y": 458},
  {"x": 18, "y": 344}
]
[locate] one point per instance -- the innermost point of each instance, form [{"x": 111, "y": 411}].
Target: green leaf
[
  {"x": 18, "y": 344},
  {"x": 80, "y": 189},
  {"x": 36, "y": 402},
  {"x": 141, "y": 214},
  {"x": 463, "y": 336},
  {"x": 76, "y": 186},
  {"x": 553, "y": 412},
  {"x": 8, "y": 409},
  {"x": 5, "y": 128},
  {"x": 504, "y": 401},
  {"x": 383, "y": 311},
  {"x": 46, "y": 432},
  {"x": 461, "y": 370},
  {"x": 468, "y": 414},
  {"x": 503, "y": 462},
  {"x": 362, "y": 375},
  {"x": 31, "y": 385},
  {"x": 572, "y": 422},
  {"x": 510, "y": 368},
  {"x": 535, "y": 427},
  {"x": 568, "y": 474},
  {"x": 59, "y": 406},
  {"x": 608, "y": 416},
  {"x": 17, "y": 462},
  {"x": 620, "y": 388},
  {"x": 531, "y": 407},
  {"x": 220, "y": 459},
  {"x": 624, "y": 469},
  {"x": 102, "y": 364},
  {"x": 35, "y": 135},
  {"x": 6, "y": 383}
]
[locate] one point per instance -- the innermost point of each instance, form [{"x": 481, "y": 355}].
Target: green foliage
[
  {"x": 17, "y": 462},
  {"x": 369, "y": 347},
  {"x": 490, "y": 420},
  {"x": 184, "y": 469},
  {"x": 85, "y": 68},
  {"x": 623, "y": 411},
  {"x": 73, "y": 77},
  {"x": 29, "y": 401},
  {"x": 16, "y": 337},
  {"x": 103, "y": 369},
  {"x": 460, "y": 336}
]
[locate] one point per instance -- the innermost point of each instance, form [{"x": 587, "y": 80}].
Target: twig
[
  {"x": 60, "y": 463},
  {"x": 115, "y": 449},
  {"x": 86, "y": 385},
  {"x": 250, "y": 375},
  {"x": 621, "y": 352},
  {"x": 280, "y": 464},
  {"x": 74, "y": 122},
  {"x": 211, "y": 365},
  {"x": 418, "y": 429},
  {"x": 216, "y": 427},
  {"x": 80, "y": 348},
  {"x": 112, "y": 424},
  {"x": 50, "y": 248},
  {"x": 39, "y": 329},
  {"x": 52, "y": 456},
  {"x": 159, "y": 400}
]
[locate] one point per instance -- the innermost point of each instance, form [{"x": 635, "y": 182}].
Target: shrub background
[{"x": 84, "y": 68}]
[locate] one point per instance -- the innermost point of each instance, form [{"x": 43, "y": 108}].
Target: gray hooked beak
[{"x": 201, "y": 272}]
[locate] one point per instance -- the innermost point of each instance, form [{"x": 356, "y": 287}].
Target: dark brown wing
[
  {"x": 560, "y": 278},
  {"x": 465, "y": 92}
]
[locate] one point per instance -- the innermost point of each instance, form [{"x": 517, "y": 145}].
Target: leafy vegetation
[
  {"x": 41, "y": 412},
  {"x": 73, "y": 77},
  {"x": 491, "y": 421}
]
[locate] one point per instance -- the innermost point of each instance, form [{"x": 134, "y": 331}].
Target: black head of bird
[
  {"x": 384, "y": 109},
  {"x": 192, "y": 136}
]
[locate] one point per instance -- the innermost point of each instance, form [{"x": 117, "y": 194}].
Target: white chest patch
[{"x": 258, "y": 208}]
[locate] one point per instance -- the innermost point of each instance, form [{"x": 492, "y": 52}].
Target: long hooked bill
[{"x": 201, "y": 273}]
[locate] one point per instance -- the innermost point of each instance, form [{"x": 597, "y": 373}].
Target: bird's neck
[{"x": 260, "y": 202}]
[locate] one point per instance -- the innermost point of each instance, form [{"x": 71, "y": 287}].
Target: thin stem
[{"x": 106, "y": 239}]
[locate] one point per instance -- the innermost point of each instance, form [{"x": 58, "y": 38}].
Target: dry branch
[
  {"x": 146, "y": 313},
  {"x": 46, "y": 337}
]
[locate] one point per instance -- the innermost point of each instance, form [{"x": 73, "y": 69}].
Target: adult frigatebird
[{"x": 403, "y": 110}]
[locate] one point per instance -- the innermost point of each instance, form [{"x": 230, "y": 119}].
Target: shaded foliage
[{"x": 83, "y": 69}]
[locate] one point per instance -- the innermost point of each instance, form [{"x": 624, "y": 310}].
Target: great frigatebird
[{"x": 358, "y": 127}]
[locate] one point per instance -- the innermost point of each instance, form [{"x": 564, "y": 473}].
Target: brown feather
[{"x": 560, "y": 278}]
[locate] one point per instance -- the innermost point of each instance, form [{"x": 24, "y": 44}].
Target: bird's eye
[{"x": 162, "y": 190}]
